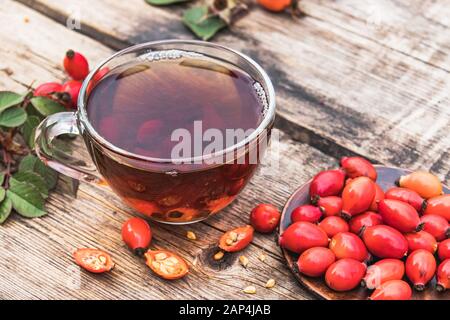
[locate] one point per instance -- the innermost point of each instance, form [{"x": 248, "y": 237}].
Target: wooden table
[{"x": 352, "y": 77}]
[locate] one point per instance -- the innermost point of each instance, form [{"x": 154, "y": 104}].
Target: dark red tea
[{"x": 137, "y": 107}]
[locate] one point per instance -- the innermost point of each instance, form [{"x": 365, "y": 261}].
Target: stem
[{"x": 7, "y": 160}]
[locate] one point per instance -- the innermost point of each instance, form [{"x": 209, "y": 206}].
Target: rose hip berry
[
  {"x": 357, "y": 197},
  {"x": 345, "y": 274},
  {"x": 348, "y": 245},
  {"x": 392, "y": 290},
  {"x": 424, "y": 183},
  {"x": 356, "y": 167},
  {"x": 302, "y": 235},
  {"x": 443, "y": 276},
  {"x": 137, "y": 235},
  {"x": 314, "y": 262},
  {"x": 366, "y": 219},
  {"x": 327, "y": 183},
  {"x": 436, "y": 225},
  {"x": 421, "y": 240},
  {"x": 72, "y": 87},
  {"x": 385, "y": 242},
  {"x": 275, "y": 5},
  {"x": 265, "y": 218},
  {"x": 382, "y": 271},
  {"x": 76, "y": 65},
  {"x": 47, "y": 89},
  {"x": 379, "y": 195},
  {"x": 409, "y": 196},
  {"x": 330, "y": 206},
  {"x": 307, "y": 213},
  {"x": 444, "y": 249},
  {"x": 420, "y": 267},
  {"x": 333, "y": 225},
  {"x": 400, "y": 215},
  {"x": 440, "y": 206}
]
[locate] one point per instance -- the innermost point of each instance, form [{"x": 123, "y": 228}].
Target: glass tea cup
[{"x": 174, "y": 191}]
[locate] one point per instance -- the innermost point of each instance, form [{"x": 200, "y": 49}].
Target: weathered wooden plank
[
  {"x": 355, "y": 91},
  {"x": 94, "y": 218}
]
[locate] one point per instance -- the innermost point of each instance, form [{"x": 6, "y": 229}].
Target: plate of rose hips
[{"x": 366, "y": 231}]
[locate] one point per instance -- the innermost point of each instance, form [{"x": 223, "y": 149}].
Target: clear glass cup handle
[{"x": 63, "y": 162}]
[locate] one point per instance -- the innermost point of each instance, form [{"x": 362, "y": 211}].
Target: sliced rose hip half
[
  {"x": 166, "y": 264},
  {"x": 307, "y": 213},
  {"x": 327, "y": 183},
  {"x": 265, "y": 217},
  {"x": 400, "y": 215},
  {"x": 93, "y": 260},
  {"x": 366, "y": 219},
  {"x": 236, "y": 239},
  {"x": 406, "y": 195},
  {"x": 358, "y": 167},
  {"x": 330, "y": 206}
]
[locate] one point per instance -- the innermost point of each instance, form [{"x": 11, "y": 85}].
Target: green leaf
[
  {"x": 26, "y": 200},
  {"x": 50, "y": 176},
  {"x": 5, "y": 209},
  {"x": 28, "y": 163},
  {"x": 9, "y": 99},
  {"x": 46, "y": 106},
  {"x": 203, "y": 26},
  {"x": 13, "y": 117},
  {"x": 32, "y": 163},
  {"x": 164, "y": 2},
  {"x": 2, "y": 178},
  {"x": 32, "y": 178},
  {"x": 29, "y": 129},
  {"x": 2, "y": 193}
]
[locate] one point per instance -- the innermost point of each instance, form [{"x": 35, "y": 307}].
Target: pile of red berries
[
  {"x": 351, "y": 222},
  {"x": 77, "y": 67}
]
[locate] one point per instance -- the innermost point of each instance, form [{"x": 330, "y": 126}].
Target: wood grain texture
[
  {"x": 94, "y": 218},
  {"x": 376, "y": 88}
]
